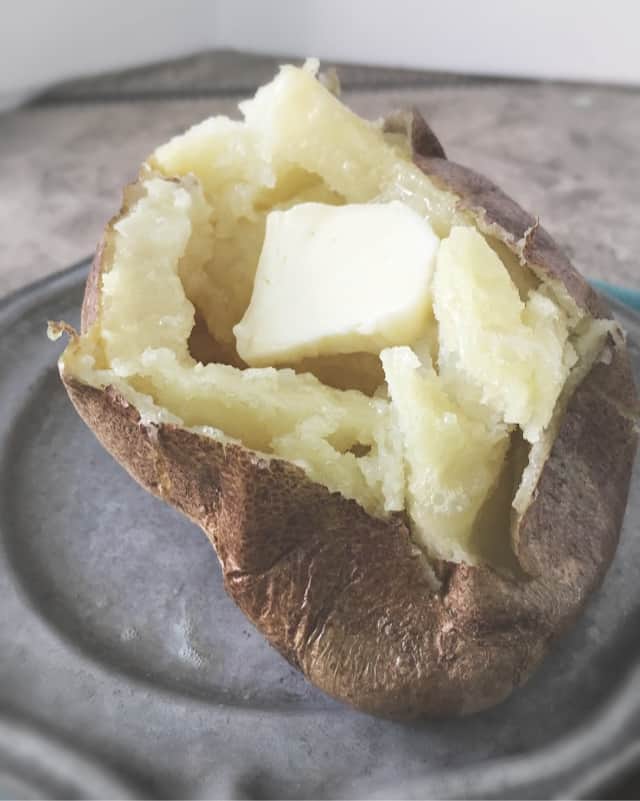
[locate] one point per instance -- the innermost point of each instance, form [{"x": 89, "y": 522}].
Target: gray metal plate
[{"x": 126, "y": 670}]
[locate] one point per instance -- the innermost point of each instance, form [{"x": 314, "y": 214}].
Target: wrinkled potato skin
[{"x": 346, "y": 597}]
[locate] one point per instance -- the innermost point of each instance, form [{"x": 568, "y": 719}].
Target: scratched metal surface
[{"x": 125, "y": 671}]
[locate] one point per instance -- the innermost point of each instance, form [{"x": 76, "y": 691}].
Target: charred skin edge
[{"x": 306, "y": 565}]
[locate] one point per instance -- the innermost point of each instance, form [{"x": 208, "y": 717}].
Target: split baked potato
[{"x": 411, "y": 509}]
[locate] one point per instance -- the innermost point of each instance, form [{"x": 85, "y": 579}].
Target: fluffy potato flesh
[
  {"x": 393, "y": 430},
  {"x": 514, "y": 354},
  {"x": 452, "y": 460}
]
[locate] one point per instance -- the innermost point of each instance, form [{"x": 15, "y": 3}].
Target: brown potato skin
[{"x": 347, "y": 598}]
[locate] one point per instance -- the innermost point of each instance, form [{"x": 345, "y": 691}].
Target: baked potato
[{"x": 410, "y": 508}]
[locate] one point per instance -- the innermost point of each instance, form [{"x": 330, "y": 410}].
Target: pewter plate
[{"x": 125, "y": 671}]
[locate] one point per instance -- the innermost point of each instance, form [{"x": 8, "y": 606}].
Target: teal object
[{"x": 630, "y": 297}]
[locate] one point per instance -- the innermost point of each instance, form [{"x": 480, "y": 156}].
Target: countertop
[{"x": 568, "y": 153}]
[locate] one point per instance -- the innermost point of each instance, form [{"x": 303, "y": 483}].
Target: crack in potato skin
[{"x": 345, "y": 596}]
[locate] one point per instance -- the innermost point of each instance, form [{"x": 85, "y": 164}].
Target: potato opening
[{"x": 421, "y": 427}]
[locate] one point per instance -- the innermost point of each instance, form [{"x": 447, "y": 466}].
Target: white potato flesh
[
  {"x": 424, "y": 441},
  {"x": 515, "y": 354},
  {"x": 452, "y": 461},
  {"x": 338, "y": 279},
  {"x": 146, "y": 321}
]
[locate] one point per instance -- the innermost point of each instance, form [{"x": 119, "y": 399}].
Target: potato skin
[{"x": 347, "y": 598}]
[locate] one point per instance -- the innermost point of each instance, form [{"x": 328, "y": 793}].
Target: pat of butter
[{"x": 338, "y": 279}]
